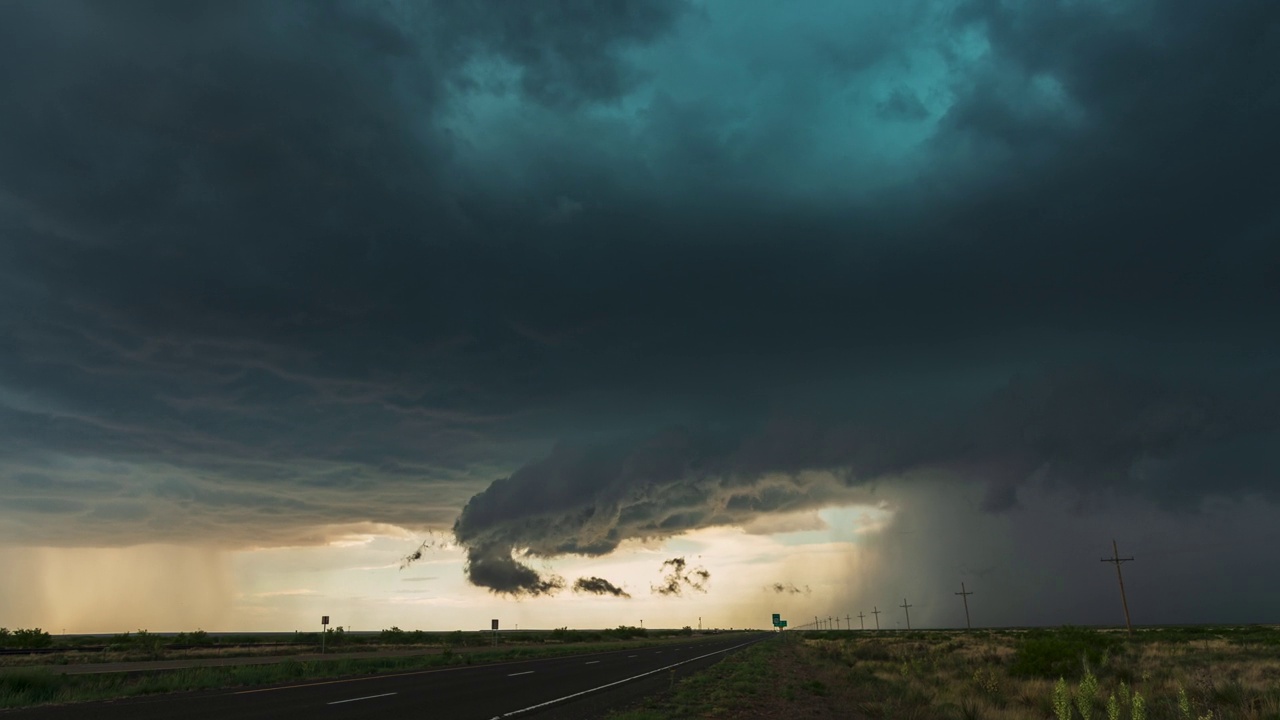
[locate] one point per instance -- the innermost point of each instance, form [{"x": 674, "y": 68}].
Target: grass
[
  {"x": 1063, "y": 674},
  {"x": 25, "y": 687},
  {"x": 142, "y": 645}
]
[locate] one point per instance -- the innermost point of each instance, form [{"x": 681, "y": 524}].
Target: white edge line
[
  {"x": 591, "y": 662},
  {"x": 526, "y": 672},
  {"x": 617, "y": 682},
  {"x": 366, "y": 697}
]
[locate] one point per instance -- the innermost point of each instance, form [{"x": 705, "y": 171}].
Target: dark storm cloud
[
  {"x": 267, "y": 267},
  {"x": 1089, "y": 431},
  {"x": 598, "y": 586},
  {"x": 587, "y": 500},
  {"x": 678, "y": 578},
  {"x": 233, "y": 245},
  {"x": 788, "y": 588},
  {"x": 902, "y": 104}
]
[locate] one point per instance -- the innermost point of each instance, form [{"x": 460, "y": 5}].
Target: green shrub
[
  {"x": 625, "y": 632},
  {"x": 199, "y": 637},
  {"x": 1065, "y": 652},
  {"x": 1061, "y": 700},
  {"x": 393, "y": 636},
  {"x": 25, "y": 638},
  {"x": 1085, "y": 695},
  {"x": 396, "y": 636}
]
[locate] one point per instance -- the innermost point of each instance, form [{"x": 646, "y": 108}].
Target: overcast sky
[{"x": 865, "y": 299}]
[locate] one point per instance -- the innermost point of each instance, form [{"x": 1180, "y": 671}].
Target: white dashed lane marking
[{"x": 366, "y": 697}]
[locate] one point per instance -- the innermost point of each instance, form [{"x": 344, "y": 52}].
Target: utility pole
[
  {"x": 965, "y": 596},
  {"x": 906, "y": 607},
  {"x": 876, "y": 611},
  {"x": 862, "y": 624},
  {"x": 837, "y": 622},
  {"x": 848, "y": 622},
  {"x": 1116, "y": 559},
  {"x": 816, "y": 626},
  {"x": 829, "y": 623}
]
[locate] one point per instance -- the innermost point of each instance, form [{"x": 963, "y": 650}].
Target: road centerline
[{"x": 366, "y": 697}]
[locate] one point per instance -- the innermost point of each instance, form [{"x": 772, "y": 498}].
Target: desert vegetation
[
  {"x": 24, "y": 638},
  {"x": 1203, "y": 673},
  {"x": 27, "y": 680},
  {"x": 198, "y": 644}
]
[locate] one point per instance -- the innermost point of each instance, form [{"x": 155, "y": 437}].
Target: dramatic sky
[{"x": 835, "y": 302}]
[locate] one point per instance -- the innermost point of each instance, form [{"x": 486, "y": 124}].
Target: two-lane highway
[{"x": 518, "y": 689}]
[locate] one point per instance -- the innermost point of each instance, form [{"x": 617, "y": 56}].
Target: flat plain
[
  {"x": 92, "y": 668},
  {"x": 1174, "y": 673}
]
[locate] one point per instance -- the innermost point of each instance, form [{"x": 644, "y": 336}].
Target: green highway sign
[
  {"x": 776, "y": 619},
  {"x": 782, "y": 623}
]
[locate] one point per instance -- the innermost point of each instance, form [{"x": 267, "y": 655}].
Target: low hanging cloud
[
  {"x": 585, "y": 500},
  {"x": 788, "y": 588},
  {"x": 598, "y": 586},
  {"x": 434, "y": 541},
  {"x": 1092, "y": 430},
  {"x": 503, "y": 574},
  {"x": 678, "y": 578}
]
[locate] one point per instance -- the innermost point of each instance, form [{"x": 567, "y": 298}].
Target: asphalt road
[{"x": 578, "y": 686}]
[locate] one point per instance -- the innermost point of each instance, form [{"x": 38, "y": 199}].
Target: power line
[
  {"x": 965, "y": 596},
  {"x": 1116, "y": 559}
]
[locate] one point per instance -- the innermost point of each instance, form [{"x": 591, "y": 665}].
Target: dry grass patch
[
  {"x": 1062, "y": 674},
  {"x": 1065, "y": 673}
]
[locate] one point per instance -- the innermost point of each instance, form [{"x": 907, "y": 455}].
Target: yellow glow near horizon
[
  {"x": 356, "y": 579},
  {"x": 100, "y": 590}
]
